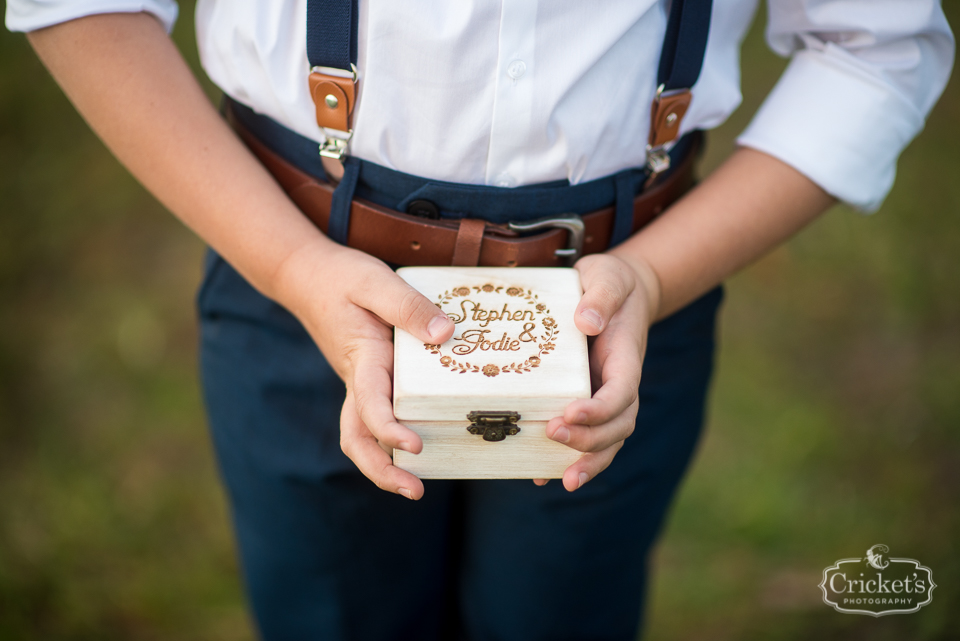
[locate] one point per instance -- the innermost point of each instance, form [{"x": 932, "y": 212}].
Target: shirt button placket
[{"x": 511, "y": 122}]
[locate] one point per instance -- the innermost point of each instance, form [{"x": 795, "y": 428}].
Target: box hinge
[{"x": 493, "y": 425}]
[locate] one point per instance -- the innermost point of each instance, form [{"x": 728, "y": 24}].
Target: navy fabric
[
  {"x": 332, "y": 27},
  {"x": 339, "y": 222},
  {"x": 628, "y": 184},
  {"x": 684, "y": 44}
]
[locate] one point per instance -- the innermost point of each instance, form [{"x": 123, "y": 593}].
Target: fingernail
[
  {"x": 592, "y": 316},
  {"x": 404, "y": 491},
  {"x": 437, "y": 325},
  {"x": 582, "y": 418},
  {"x": 404, "y": 445},
  {"x": 583, "y": 479},
  {"x": 562, "y": 434}
]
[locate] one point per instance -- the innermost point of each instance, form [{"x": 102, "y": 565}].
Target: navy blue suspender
[
  {"x": 332, "y": 39},
  {"x": 332, "y": 33},
  {"x": 681, "y": 59},
  {"x": 332, "y": 27},
  {"x": 684, "y": 44}
]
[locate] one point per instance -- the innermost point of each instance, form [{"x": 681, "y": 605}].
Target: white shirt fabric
[{"x": 515, "y": 92}]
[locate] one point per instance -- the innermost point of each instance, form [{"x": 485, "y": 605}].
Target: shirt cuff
[
  {"x": 836, "y": 124},
  {"x": 29, "y": 15}
]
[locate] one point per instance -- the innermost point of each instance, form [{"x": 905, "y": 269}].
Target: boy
[{"x": 486, "y": 99}]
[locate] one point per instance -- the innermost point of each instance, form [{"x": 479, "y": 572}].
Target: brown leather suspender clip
[
  {"x": 666, "y": 114},
  {"x": 334, "y": 93}
]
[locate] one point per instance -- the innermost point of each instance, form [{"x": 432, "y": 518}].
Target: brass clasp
[{"x": 495, "y": 426}]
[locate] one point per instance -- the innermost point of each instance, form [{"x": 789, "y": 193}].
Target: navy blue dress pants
[{"x": 327, "y": 555}]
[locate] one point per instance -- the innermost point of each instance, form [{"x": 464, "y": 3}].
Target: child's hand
[
  {"x": 618, "y": 305},
  {"x": 349, "y": 302}
]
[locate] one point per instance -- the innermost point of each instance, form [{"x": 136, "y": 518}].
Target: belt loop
[
  {"x": 625, "y": 186},
  {"x": 466, "y": 252},
  {"x": 339, "y": 224}
]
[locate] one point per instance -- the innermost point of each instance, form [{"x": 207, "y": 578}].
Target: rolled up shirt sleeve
[
  {"x": 29, "y": 15},
  {"x": 863, "y": 77}
]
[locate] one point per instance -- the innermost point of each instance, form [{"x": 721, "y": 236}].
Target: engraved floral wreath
[{"x": 545, "y": 345}]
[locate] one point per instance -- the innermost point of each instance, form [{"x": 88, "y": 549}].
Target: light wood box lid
[{"x": 534, "y": 360}]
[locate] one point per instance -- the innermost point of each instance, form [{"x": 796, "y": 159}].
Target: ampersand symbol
[{"x": 525, "y": 335}]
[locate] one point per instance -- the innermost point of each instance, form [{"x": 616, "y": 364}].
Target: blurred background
[{"x": 834, "y": 421}]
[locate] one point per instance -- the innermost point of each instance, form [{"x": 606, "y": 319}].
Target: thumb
[
  {"x": 401, "y": 305},
  {"x": 606, "y": 282}
]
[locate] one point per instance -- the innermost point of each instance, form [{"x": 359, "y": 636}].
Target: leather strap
[
  {"x": 466, "y": 250},
  {"x": 334, "y": 98},
  {"x": 666, "y": 113},
  {"x": 403, "y": 239}
]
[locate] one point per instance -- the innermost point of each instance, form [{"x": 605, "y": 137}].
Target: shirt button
[
  {"x": 505, "y": 180},
  {"x": 516, "y": 69}
]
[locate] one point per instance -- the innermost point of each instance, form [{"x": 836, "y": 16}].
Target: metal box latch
[{"x": 494, "y": 425}]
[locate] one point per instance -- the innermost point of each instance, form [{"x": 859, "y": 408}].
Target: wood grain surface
[{"x": 450, "y": 452}]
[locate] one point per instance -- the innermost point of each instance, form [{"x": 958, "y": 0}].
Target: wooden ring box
[{"x": 481, "y": 401}]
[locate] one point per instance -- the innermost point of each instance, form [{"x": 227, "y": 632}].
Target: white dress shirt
[{"x": 515, "y": 92}]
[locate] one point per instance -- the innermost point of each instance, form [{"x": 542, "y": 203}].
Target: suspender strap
[
  {"x": 332, "y": 27},
  {"x": 684, "y": 44},
  {"x": 332, "y": 33},
  {"x": 680, "y": 62}
]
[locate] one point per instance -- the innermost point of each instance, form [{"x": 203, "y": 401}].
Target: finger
[
  {"x": 362, "y": 448},
  {"x": 541, "y": 482},
  {"x": 399, "y": 304},
  {"x": 620, "y": 377},
  {"x": 371, "y": 392},
  {"x": 606, "y": 284},
  {"x": 593, "y": 438},
  {"x": 588, "y": 466},
  {"x": 611, "y": 400}
]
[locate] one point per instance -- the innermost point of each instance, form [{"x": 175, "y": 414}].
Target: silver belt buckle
[{"x": 575, "y": 233}]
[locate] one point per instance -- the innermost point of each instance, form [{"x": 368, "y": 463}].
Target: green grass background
[{"x": 834, "y": 421}]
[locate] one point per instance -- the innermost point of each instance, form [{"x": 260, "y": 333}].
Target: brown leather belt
[{"x": 406, "y": 239}]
